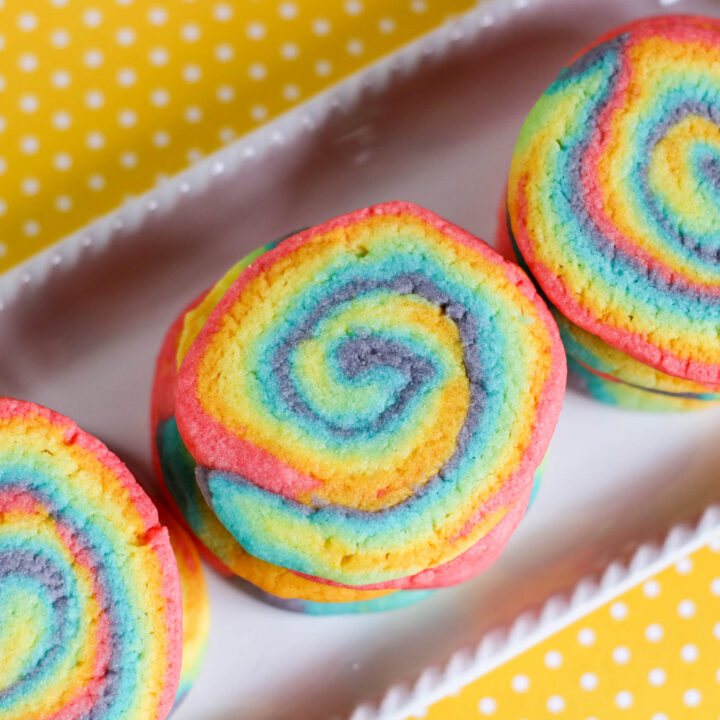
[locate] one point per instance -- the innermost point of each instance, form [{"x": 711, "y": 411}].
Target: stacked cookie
[
  {"x": 91, "y": 621},
  {"x": 613, "y": 204},
  {"x": 358, "y": 412}
]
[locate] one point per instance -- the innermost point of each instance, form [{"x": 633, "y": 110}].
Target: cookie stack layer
[
  {"x": 361, "y": 409},
  {"x": 90, "y": 607},
  {"x": 614, "y": 205}
]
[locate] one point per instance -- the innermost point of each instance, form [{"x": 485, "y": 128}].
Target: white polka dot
[
  {"x": 224, "y": 52},
  {"x": 31, "y": 228},
  {"x": 63, "y": 203},
  {"x": 92, "y": 17},
  {"x": 588, "y": 681},
  {"x": 225, "y": 93},
  {"x": 686, "y": 608},
  {"x": 60, "y": 38},
  {"x": 257, "y": 71},
  {"x": 255, "y": 30},
  {"x": 289, "y": 51},
  {"x": 194, "y": 155},
  {"x": 28, "y": 62},
  {"x": 553, "y": 659},
  {"x": 159, "y": 56},
  {"x": 157, "y": 16},
  {"x": 29, "y": 144},
  {"x": 61, "y": 79},
  {"x": 128, "y": 160},
  {"x": 190, "y": 32},
  {"x": 618, "y": 611},
  {"x": 191, "y": 73},
  {"x": 94, "y": 99},
  {"x": 124, "y": 2},
  {"x": 30, "y": 186},
  {"x": 717, "y": 675},
  {"x": 2, "y": 83},
  {"x": 63, "y": 161},
  {"x": 160, "y": 97},
  {"x": 716, "y": 631},
  {"x": 654, "y": 632},
  {"x": 659, "y": 716},
  {"x": 651, "y": 588},
  {"x": 29, "y": 103},
  {"x": 127, "y": 118},
  {"x": 487, "y": 706},
  {"x": 59, "y": 3},
  {"x": 715, "y": 586},
  {"x": 520, "y": 683},
  {"x": 226, "y": 134},
  {"x": 161, "y": 139},
  {"x": 418, "y": 6},
  {"x": 93, "y": 58},
  {"x": 125, "y": 36},
  {"x": 27, "y": 21},
  {"x": 321, "y": 26},
  {"x": 258, "y": 112},
  {"x": 126, "y": 77},
  {"x": 3, "y": 124},
  {"x": 355, "y": 47},
  {"x": 586, "y": 637},
  {"x": 3, "y": 165},
  {"x": 624, "y": 699},
  {"x": 291, "y": 92},
  {"x": 657, "y": 677},
  {"x": 386, "y": 25},
  {"x": 323, "y": 68},
  {"x": 692, "y": 697},
  {"x": 287, "y": 10},
  {"x": 2, "y": 41},
  {"x": 3, "y": 246},
  {"x": 556, "y": 703},
  {"x": 684, "y": 565},
  {"x": 95, "y": 140},
  {"x": 61, "y": 120},
  {"x": 96, "y": 182},
  {"x": 689, "y": 653},
  {"x": 222, "y": 12},
  {"x": 193, "y": 114},
  {"x": 621, "y": 655},
  {"x": 353, "y": 7}
]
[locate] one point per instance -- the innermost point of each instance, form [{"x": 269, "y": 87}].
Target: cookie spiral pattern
[
  {"x": 614, "y": 193},
  {"x": 606, "y": 373},
  {"x": 370, "y": 400},
  {"x": 175, "y": 470},
  {"x": 90, "y": 615}
]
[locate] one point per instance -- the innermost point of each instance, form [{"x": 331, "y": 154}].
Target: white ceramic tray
[{"x": 435, "y": 123}]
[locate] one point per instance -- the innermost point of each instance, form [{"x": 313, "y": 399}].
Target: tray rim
[{"x": 530, "y": 627}]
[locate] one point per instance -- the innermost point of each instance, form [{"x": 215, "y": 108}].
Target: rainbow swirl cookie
[
  {"x": 175, "y": 469},
  {"x": 614, "y": 204},
  {"x": 90, "y": 608},
  {"x": 195, "y": 603},
  {"x": 367, "y": 403},
  {"x": 608, "y": 374}
]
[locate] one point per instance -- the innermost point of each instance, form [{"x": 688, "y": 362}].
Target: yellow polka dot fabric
[
  {"x": 651, "y": 654},
  {"x": 101, "y": 98}
]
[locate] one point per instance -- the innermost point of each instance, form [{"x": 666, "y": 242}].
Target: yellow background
[{"x": 100, "y": 99}]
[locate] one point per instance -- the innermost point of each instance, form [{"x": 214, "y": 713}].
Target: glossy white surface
[{"x": 81, "y": 326}]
